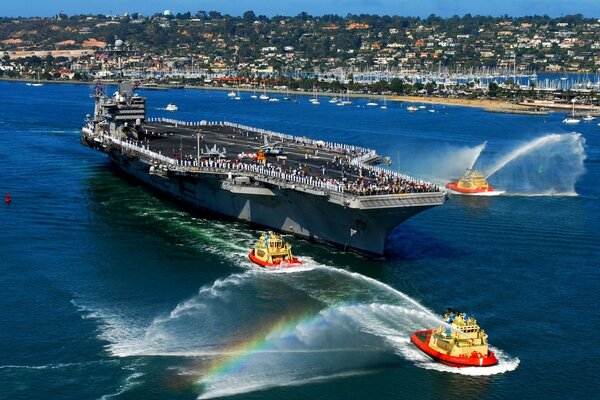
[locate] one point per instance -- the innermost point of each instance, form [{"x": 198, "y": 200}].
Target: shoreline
[
  {"x": 487, "y": 104},
  {"x": 483, "y": 103}
]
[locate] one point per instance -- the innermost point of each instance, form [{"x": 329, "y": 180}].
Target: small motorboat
[
  {"x": 171, "y": 107},
  {"x": 272, "y": 252},
  {"x": 472, "y": 182},
  {"x": 460, "y": 343},
  {"x": 412, "y": 108}
]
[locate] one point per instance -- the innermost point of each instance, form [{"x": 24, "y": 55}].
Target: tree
[
  {"x": 249, "y": 16},
  {"x": 430, "y": 88},
  {"x": 493, "y": 89},
  {"x": 397, "y": 86}
]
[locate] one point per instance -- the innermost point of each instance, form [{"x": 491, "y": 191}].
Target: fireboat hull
[
  {"x": 455, "y": 188},
  {"x": 281, "y": 264},
  {"x": 421, "y": 340}
]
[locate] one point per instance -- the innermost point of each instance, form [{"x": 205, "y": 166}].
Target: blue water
[{"x": 111, "y": 292}]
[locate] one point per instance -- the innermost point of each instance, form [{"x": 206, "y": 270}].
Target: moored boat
[
  {"x": 572, "y": 119},
  {"x": 272, "y": 252},
  {"x": 461, "y": 343},
  {"x": 472, "y": 182}
]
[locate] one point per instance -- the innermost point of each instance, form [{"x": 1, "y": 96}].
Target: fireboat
[
  {"x": 472, "y": 182},
  {"x": 461, "y": 343},
  {"x": 272, "y": 252}
]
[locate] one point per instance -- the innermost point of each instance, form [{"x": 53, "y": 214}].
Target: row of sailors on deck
[
  {"x": 376, "y": 184},
  {"x": 370, "y": 182}
]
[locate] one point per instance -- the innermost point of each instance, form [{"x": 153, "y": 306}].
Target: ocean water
[{"x": 109, "y": 291}]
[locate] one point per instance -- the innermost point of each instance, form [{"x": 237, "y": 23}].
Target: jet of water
[
  {"x": 531, "y": 146},
  {"x": 478, "y": 151}
]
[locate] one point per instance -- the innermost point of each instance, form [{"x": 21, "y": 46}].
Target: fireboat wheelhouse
[
  {"x": 461, "y": 344},
  {"x": 271, "y": 252}
]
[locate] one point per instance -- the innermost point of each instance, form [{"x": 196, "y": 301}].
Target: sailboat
[
  {"x": 254, "y": 96},
  {"x": 315, "y": 99},
  {"x": 384, "y": 106},
  {"x": 287, "y": 94},
  {"x": 572, "y": 119},
  {"x": 264, "y": 95},
  {"x": 345, "y": 101},
  {"x": 372, "y": 103},
  {"x": 589, "y": 117},
  {"x": 237, "y": 95},
  {"x": 35, "y": 82}
]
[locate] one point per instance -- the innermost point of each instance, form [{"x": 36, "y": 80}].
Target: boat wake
[
  {"x": 505, "y": 364},
  {"x": 326, "y": 323},
  {"x": 544, "y": 194},
  {"x": 484, "y": 194}
]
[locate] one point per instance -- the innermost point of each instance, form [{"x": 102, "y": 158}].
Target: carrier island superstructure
[{"x": 326, "y": 192}]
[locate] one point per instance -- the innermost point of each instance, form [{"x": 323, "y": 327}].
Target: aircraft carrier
[{"x": 322, "y": 191}]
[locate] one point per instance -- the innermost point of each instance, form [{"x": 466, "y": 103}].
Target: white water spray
[
  {"x": 528, "y": 148},
  {"x": 478, "y": 150},
  {"x": 443, "y": 162},
  {"x": 549, "y": 165},
  {"x": 340, "y": 323}
]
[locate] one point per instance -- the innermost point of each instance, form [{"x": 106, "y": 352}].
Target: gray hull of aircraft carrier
[{"x": 305, "y": 187}]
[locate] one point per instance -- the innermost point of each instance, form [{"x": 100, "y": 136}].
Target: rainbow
[{"x": 234, "y": 357}]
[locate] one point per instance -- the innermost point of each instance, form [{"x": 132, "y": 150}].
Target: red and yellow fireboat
[
  {"x": 461, "y": 344},
  {"x": 272, "y": 252},
  {"x": 472, "y": 182}
]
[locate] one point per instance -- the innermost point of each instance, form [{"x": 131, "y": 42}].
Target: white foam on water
[
  {"x": 286, "y": 270},
  {"x": 362, "y": 324},
  {"x": 482, "y": 194},
  {"x": 129, "y": 383},
  {"x": 123, "y": 334},
  {"x": 57, "y": 365},
  {"x": 544, "y": 194},
  {"x": 505, "y": 364},
  {"x": 231, "y": 391}
]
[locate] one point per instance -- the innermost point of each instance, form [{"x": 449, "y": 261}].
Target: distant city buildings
[{"x": 208, "y": 44}]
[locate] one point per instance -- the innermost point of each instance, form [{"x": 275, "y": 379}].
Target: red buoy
[{"x": 8, "y": 198}]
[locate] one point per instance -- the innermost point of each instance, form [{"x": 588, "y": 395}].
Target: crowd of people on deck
[{"x": 368, "y": 180}]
